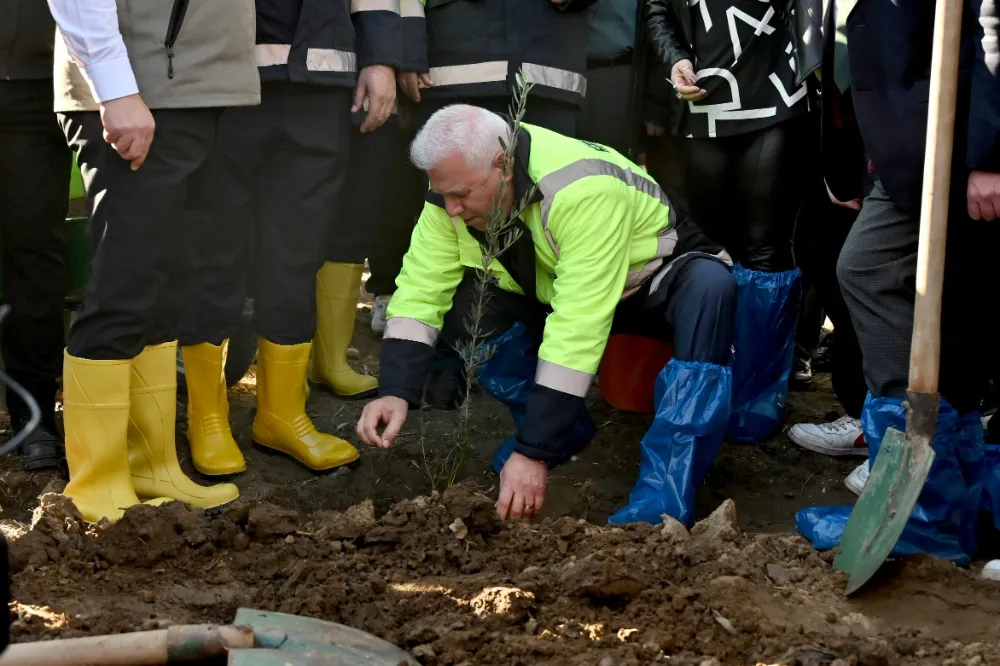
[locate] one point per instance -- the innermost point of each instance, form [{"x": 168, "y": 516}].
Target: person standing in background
[
  {"x": 282, "y": 165},
  {"x": 609, "y": 114},
  {"x": 141, "y": 106},
  {"x": 35, "y": 168}
]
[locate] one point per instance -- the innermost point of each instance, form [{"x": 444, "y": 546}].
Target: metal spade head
[
  {"x": 880, "y": 514},
  {"x": 291, "y": 640}
]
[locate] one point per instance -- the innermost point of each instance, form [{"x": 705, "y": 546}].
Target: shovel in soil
[
  {"x": 904, "y": 460},
  {"x": 256, "y": 638}
]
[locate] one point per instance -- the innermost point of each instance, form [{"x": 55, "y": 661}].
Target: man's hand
[
  {"x": 412, "y": 82},
  {"x": 853, "y": 204},
  {"x": 685, "y": 81},
  {"x": 522, "y": 487},
  {"x": 389, "y": 410},
  {"x": 376, "y": 93},
  {"x": 984, "y": 195},
  {"x": 128, "y": 127}
]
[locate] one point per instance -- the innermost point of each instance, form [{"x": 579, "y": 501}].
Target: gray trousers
[{"x": 877, "y": 271}]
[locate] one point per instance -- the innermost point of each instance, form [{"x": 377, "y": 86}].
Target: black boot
[{"x": 43, "y": 448}]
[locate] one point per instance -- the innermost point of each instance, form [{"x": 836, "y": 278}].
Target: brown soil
[{"x": 440, "y": 576}]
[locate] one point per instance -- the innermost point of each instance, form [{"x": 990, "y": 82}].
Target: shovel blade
[
  {"x": 880, "y": 514},
  {"x": 303, "y": 641}
]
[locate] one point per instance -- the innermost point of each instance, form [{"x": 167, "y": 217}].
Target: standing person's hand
[
  {"x": 984, "y": 195},
  {"x": 376, "y": 93},
  {"x": 412, "y": 82},
  {"x": 128, "y": 128},
  {"x": 522, "y": 487},
  {"x": 685, "y": 81},
  {"x": 388, "y": 410},
  {"x": 853, "y": 204}
]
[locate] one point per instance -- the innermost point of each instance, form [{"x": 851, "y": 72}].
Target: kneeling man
[{"x": 597, "y": 245}]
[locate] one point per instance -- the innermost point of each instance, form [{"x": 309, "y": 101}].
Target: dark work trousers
[
  {"x": 278, "y": 171},
  {"x": 877, "y": 273},
  {"x": 368, "y": 217},
  {"x": 823, "y": 229},
  {"x": 140, "y": 217},
  {"x": 664, "y": 162},
  {"x": 606, "y": 117},
  {"x": 697, "y": 314},
  {"x": 34, "y": 194},
  {"x": 746, "y": 190},
  {"x": 546, "y": 113}
]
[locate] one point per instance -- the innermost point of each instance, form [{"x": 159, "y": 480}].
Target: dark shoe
[
  {"x": 446, "y": 389},
  {"x": 43, "y": 449},
  {"x": 802, "y": 372}
]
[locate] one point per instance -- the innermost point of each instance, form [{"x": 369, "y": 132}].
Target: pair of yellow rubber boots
[
  {"x": 120, "y": 443},
  {"x": 281, "y": 422}
]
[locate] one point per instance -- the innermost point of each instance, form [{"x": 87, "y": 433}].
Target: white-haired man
[{"x": 599, "y": 244}]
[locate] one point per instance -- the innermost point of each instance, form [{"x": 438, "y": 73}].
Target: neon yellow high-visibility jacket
[{"x": 599, "y": 229}]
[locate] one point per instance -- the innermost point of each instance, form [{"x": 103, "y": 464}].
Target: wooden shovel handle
[
  {"x": 925, "y": 346},
  {"x": 141, "y": 648}
]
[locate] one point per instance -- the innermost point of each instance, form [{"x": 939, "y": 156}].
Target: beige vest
[{"x": 213, "y": 57}]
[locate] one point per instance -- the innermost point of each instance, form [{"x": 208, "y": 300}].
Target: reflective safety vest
[
  {"x": 474, "y": 48},
  {"x": 600, "y": 228},
  {"x": 326, "y": 42}
]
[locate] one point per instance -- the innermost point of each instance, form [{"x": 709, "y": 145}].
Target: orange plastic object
[{"x": 628, "y": 371}]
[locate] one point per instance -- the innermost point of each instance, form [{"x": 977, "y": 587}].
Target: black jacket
[
  {"x": 474, "y": 48},
  {"x": 889, "y": 45},
  {"x": 326, "y": 42},
  {"x": 27, "y": 32},
  {"x": 669, "y": 37}
]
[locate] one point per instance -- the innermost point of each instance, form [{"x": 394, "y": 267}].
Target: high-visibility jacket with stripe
[
  {"x": 599, "y": 228},
  {"x": 473, "y": 48},
  {"x": 326, "y": 42}
]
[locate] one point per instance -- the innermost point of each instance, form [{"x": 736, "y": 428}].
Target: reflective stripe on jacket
[
  {"x": 600, "y": 228},
  {"x": 326, "y": 42},
  {"x": 475, "y": 47}
]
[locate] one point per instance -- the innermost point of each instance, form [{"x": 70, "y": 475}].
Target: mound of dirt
[{"x": 442, "y": 577}]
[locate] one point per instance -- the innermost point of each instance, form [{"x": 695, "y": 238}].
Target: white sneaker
[
  {"x": 843, "y": 437},
  {"x": 378, "y": 314},
  {"x": 991, "y": 571},
  {"x": 857, "y": 479}
]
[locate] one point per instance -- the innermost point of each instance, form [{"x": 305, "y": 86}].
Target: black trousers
[
  {"x": 34, "y": 193},
  {"x": 370, "y": 221},
  {"x": 746, "y": 190},
  {"x": 877, "y": 273},
  {"x": 277, "y": 175},
  {"x": 822, "y": 232},
  {"x": 141, "y": 231},
  {"x": 606, "y": 117}
]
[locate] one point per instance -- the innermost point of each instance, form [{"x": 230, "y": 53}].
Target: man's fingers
[
  {"x": 974, "y": 211},
  {"x": 503, "y": 502},
  {"x": 538, "y": 501},
  {"x": 989, "y": 210},
  {"x": 359, "y": 95},
  {"x": 369, "y": 427},
  {"x": 517, "y": 506},
  {"x": 425, "y": 79},
  {"x": 396, "y": 421}
]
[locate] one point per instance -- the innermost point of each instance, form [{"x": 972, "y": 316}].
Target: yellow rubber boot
[
  {"x": 281, "y": 422},
  {"x": 95, "y": 416},
  {"x": 336, "y": 308},
  {"x": 214, "y": 452},
  {"x": 152, "y": 447}
]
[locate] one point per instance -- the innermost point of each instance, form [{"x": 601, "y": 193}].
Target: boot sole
[
  {"x": 42, "y": 464},
  {"x": 371, "y": 393},
  {"x": 264, "y": 448}
]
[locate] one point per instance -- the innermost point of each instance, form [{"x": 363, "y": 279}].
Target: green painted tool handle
[
  {"x": 141, "y": 648},
  {"x": 925, "y": 346}
]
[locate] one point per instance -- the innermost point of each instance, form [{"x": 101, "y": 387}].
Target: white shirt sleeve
[{"x": 90, "y": 30}]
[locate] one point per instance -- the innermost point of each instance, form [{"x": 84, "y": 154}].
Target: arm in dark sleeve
[
  {"x": 664, "y": 37},
  {"x": 379, "y": 32},
  {"x": 984, "y": 110},
  {"x": 547, "y": 428},
  {"x": 414, "y": 36}
]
